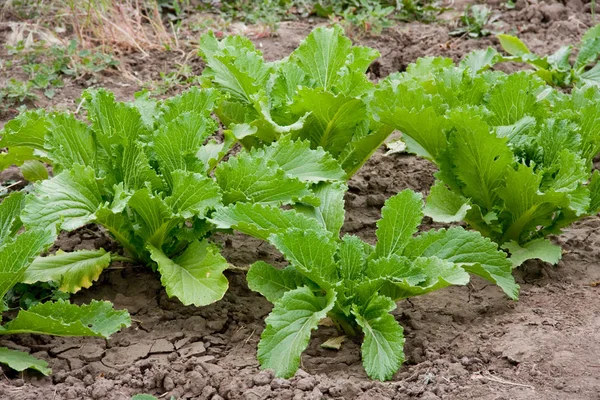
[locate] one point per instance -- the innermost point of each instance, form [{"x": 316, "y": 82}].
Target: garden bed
[{"x": 461, "y": 343}]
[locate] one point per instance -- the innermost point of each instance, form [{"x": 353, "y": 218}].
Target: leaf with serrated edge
[
  {"x": 16, "y": 255},
  {"x": 10, "y": 209},
  {"x": 400, "y": 217},
  {"x": 382, "y": 348},
  {"x": 20, "y": 361},
  {"x": 72, "y": 271},
  {"x": 298, "y": 160},
  {"x": 444, "y": 205},
  {"x": 289, "y": 327},
  {"x": 193, "y": 194},
  {"x": 541, "y": 249},
  {"x": 330, "y": 212},
  {"x": 259, "y": 220},
  {"x": 64, "y": 319},
  {"x": 469, "y": 250},
  {"x": 194, "y": 277},
  {"x": 251, "y": 178},
  {"x": 69, "y": 200},
  {"x": 272, "y": 282},
  {"x": 311, "y": 251}
]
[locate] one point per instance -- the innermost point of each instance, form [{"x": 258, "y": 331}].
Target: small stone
[
  {"x": 262, "y": 378},
  {"x": 168, "y": 383},
  {"x": 162, "y": 346},
  {"x": 306, "y": 384},
  {"x": 429, "y": 396},
  {"x": 192, "y": 349},
  {"x": 280, "y": 383}
]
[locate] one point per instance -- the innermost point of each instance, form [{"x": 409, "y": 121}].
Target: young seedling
[{"x": 556, "y": 69}]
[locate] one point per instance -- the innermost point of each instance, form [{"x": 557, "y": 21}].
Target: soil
[{"x": 461, "y": 343}]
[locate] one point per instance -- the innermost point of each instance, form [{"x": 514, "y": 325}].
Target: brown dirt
[{"x": 462, "y": 343}]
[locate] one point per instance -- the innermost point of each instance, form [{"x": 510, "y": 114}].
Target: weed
[{"x": 474, "y": 21}]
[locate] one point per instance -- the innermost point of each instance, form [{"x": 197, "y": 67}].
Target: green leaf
[
  {"x": 64, "y": 319},
  {"x": 333, "y": 120},
  {"x": 480, "y": 60},
  {"x": 194, "y": 101},
  {"x": 156, "y": 220},
  {"x": 194, "y": 277},
  {"x": 272, "y": 282},
  {"x": 444, "y": 205},
  {"x": 512, "y": 45},
  {"x": 251, "y": 178},
  {"x": 234, "y": 66},
  {"x": 260, "y": 220},
  {"x": 289, "y": 327},
  {"x": 311, "y": 252},
  {"x": 113, "y": 122},
  {"x": 193, "y": 194},
  {"x": 72, "y": 271},
  {"x": 34, "y": 171},
  {"x": 527, "y": 206},
  {"x": 70, "y": 142},
  {"x": 382, "y": 348},
  {"x": 541, "y": 249},
  {"x": 480, "y": 159},
  {"x": 400, "y": 217},
  {"x": 591, "y": 76},
  {"x": 177, "y": 142},
  {"x": 322, "y": 55},
  {"x": 588, "y": 53},
  {"x": 352, "y": 255},
  {"x": 17, "y": 156},
  {"x": 298, "y": 160},
  {"x": 27, "y": 130},
  {"x": 68, "y": 200},
  {"x": 10, "y": 209},
  {"x": 423, "y": 130},
  {"x": 16, "y": 255},
  {"x": 594, "y": 188},
  {"x": 20, "y": 361},
  {"x": 330, "y": 212},
  {"x": 469, "y": 250}
]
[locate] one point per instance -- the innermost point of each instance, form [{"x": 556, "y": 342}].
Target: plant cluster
[
  {"x": 557, "y": 69},
  {"x": 514, "y": 157},
  {"x": 46, "y": 67},
  {"x": 59, "y": 318}
]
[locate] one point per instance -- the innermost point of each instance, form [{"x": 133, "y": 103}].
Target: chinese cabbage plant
[
  {"x": 60, "y": 318},
  {"x": 515, "y": 156},
  {"x": 319, "y": 93},
  {"x": 150, "y": 174},
  {"x": 351, "y": 282}
]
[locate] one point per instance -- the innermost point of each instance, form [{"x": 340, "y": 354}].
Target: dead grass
[{"x": 121, "y": 25}]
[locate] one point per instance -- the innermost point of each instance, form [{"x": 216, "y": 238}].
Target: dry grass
[{"x": 120, "y": 25}]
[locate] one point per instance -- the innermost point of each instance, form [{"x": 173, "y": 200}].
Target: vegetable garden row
[{"x": 514, "y": 157}]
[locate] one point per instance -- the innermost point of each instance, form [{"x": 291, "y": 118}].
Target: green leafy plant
[
  {"x": 474, "y": 21},
  {"x": 319, "y": 93},
  {"x": 59, "y": 318},
  {"x": 556, "y": 69},
  {"x": 150, "y": 174},
  {"x": 515, "y": 156},
  {"x": 350, "y": 282}
]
